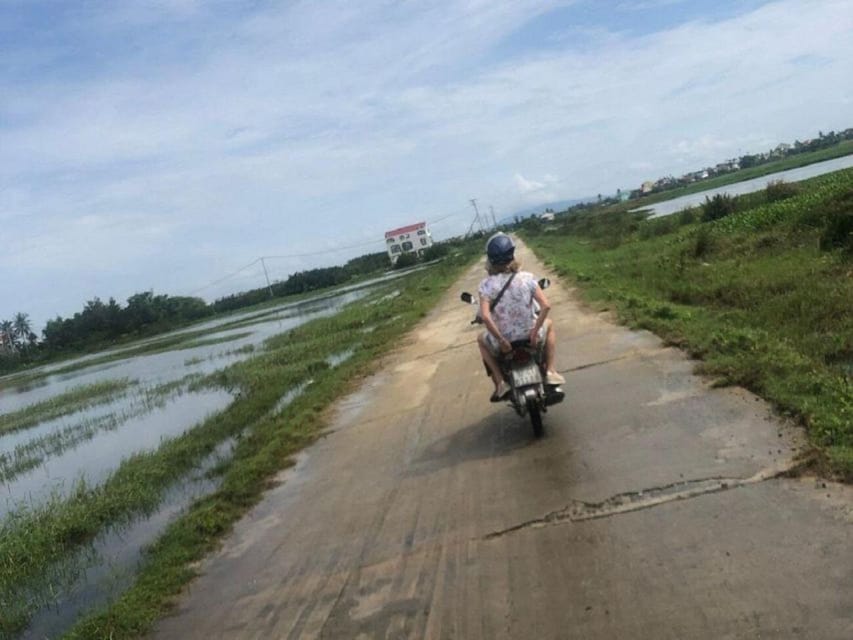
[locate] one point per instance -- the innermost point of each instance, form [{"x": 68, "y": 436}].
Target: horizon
[{"x": 160, "y": 145}]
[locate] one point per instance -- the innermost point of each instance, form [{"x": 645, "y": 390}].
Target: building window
[
  {"x": 421, "y": 232},
  {"x": 390, "y": 241},
  {"x": 423, "y": 242},
  {"x": 408, "y": 246},
  {"x": 395, "y": 248}
]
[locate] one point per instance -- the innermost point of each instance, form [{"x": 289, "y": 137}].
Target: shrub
[
  {"x": 838, "y": 232},
  {"x": 686, "y": 216},
  {"x": 434, "y": 252},
  {"x": 406, "y": 260},
  {"x": 703, "y": 243},
  {"x": 720, "y": 206},
  {"x": 780, "y": 190}
]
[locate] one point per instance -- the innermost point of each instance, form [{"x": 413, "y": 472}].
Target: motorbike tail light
[{"x": 521, "y": 356}]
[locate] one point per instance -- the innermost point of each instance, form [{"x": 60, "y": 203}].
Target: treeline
[
  {"x": 100, "y": 324},
  {"x": 306, "y": 281},
  {"x": 97, "y": 325}
]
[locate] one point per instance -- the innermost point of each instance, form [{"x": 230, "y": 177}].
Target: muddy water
[{"x": 748, "y": 186}]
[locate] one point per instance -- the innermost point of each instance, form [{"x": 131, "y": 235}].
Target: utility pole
[
  {"x": 477, "y": 218},
  {"x": 495, "y": 222},
  {"x": 267, "y": 276}
]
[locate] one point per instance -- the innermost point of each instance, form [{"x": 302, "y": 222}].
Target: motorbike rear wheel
[{"x": 535, "y": 418}]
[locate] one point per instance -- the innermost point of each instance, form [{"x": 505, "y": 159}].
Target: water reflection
[{"x": 95, "y": 459}]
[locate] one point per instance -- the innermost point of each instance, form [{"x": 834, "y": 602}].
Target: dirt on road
[{"x": 655, "y": 507}]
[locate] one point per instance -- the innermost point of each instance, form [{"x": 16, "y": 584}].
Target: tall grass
[
  {"x": 760, "y": 294},
  {"x": 71, "y": 401}
]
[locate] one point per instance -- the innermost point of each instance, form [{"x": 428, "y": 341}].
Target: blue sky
[{"x": 165, "y": 143}]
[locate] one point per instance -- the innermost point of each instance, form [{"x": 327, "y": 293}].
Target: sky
[{"x": 166, "y": 144}]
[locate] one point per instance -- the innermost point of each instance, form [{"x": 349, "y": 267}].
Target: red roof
[{"x": 401, "y": 230}]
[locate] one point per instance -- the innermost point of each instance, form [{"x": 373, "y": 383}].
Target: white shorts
[{"x": 495, "y": 347}]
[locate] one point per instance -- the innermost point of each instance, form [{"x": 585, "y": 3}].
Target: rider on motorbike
[{"x": 514, "y": 317}]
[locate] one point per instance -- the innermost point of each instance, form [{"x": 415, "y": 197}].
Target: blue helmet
[{"x": 500, "y": 249}]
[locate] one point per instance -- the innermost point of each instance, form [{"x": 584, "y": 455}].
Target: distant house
[
  {"x": 647, "y": 186},
  {"x": 413, "y": 238},
  {"x": 548, "y": 216}
]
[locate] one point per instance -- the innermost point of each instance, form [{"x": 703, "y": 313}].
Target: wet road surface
[{"x": 654, "y": 507}]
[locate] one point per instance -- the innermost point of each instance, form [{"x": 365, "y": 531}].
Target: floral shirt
[{"x": 514, "y": 313}]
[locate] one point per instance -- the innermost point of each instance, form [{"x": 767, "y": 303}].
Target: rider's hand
[
  {"x": 534, "y": 337},
  {"x": 506, "y": 346}
]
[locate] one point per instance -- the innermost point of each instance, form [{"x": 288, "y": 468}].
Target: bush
[
  {"x": 838, "y": 232},
  {"x": 686, "y": 216},
  {"x": 703, "y": 244},
  {"x": 780, "y": 190},
  {"x": 720, "y": 206},
  {"x": 434, "y": 252},
  {"x": 406, "y": 260}
]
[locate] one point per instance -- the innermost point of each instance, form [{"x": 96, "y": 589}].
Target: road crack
[{"x": 579, "y": 510}]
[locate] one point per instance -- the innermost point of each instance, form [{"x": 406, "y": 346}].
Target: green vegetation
[
  {"x": 102, "y": 325},
  {"x": 33, "y": 452},
  {"x": 827, "y": 147},
  {"x": 762, "y": 292},
  {"x": 64, "y": 404},
  {"x": 35, "y": 542}
]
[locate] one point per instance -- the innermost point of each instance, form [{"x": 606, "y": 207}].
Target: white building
[{"x": 413, "y": 238}]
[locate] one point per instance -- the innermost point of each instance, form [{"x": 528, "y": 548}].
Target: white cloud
[{"x": 311, "y": 123}]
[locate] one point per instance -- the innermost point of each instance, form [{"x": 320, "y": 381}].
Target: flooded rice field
[{"x": 67, "y": 427}]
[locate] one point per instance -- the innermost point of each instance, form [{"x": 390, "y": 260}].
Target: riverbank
[
  {"x": 842, "y": 149},
  {"x": 763, "y": 295},
  {"x": 279, "y": 397}
]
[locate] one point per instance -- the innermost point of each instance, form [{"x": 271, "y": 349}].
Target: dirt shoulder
[{"x": 654, "y": 507}]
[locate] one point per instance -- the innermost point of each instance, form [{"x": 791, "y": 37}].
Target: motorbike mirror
[
  {"x": 467, "y": 297},
  {"x": 544, "y": 283}
]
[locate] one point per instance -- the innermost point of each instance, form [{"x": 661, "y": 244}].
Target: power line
[
  {"x": 308, "y": 254},
  {"x": 224, "y": 278}
]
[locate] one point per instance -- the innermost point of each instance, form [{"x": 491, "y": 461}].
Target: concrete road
[{"x": 652, "y": 508}]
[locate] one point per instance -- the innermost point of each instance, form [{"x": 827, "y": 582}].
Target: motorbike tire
[{"x": 535, "y": 419}]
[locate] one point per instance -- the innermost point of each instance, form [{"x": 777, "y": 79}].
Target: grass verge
[
  {"x": 763, "y": 295},
  {"x": 36, "y": 540}
]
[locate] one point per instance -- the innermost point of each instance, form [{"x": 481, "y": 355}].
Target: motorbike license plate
[{"x": 523, "y": 376}]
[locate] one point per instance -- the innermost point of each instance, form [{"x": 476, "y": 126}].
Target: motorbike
[{"x": 523, "y": 369}]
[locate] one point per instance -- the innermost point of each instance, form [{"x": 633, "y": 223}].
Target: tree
[
  {"x": 7, "y": 335},
  {"x": 22, "y": 328}
]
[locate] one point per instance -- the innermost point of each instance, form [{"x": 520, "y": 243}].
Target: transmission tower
[{"x": 478, "y": 220}]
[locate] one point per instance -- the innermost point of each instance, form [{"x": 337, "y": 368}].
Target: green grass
[
  {"x": 33, "y": 452},
  {"x": 71, "y": 401},
  {"x": 760, "y": 296},
  {"x": 36, "y": 541}
]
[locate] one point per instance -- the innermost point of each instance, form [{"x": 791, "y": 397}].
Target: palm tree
[
  {"x": 7, "y": 334},
  {"x": 21, "y": 326}
]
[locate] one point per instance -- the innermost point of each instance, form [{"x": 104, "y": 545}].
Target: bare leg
[
  {"x": 551, "y": 375},
  {"x": 550, "y": 345},
  {"x": 490, "y": 360}
]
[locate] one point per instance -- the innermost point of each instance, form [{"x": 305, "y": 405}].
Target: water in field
[
  {"x": 48, "y": 459},
  {"x": 675, "y": 205}
]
